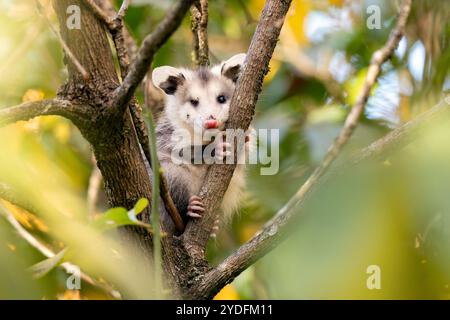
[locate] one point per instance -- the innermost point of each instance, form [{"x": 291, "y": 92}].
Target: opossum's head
[{"x": 199, "y": 99}]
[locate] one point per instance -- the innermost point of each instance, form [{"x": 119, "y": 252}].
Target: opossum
[{"x": 196, "y": 99}]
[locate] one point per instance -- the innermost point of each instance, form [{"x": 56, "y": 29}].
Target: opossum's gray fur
[{"x": 180, "y": 118}]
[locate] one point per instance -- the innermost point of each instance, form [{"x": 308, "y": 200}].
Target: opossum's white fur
[{"x": 181, "y": 118}]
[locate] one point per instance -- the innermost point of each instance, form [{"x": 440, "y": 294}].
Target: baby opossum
[{"x": 196, "y": 99}]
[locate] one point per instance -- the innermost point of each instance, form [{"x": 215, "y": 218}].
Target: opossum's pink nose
[{"x": 211, "y": 124}]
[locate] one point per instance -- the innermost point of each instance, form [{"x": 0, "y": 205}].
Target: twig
[
  {"x": 150, "y": 45},
  {"x": 123, "y": 9},
  {"x": 100, "y": 14},
  {"x": 276, "y": 228},
  {"x": 108, "y": 8},
  {"x": 66, "y": 48},
  {"x": 403, "y": 135},
  {"x": 155, "y": 216},
  {"x": 199, "y": 22},
  {"x": 29, "y": 110},
  {"x": 95, "y": 181},
  {"x": 169, "y": 204},
  {"x": 115, "y": 27},
  {"x": 12, "y": 196},
  {"x": 22, "y": 48},
  {"x": 67, "y": 266}
]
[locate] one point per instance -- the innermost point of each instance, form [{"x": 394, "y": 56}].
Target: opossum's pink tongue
[{"x": 211, "y": 124}]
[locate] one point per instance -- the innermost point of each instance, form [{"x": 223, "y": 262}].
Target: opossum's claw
[
  {"x": 194, "y": 215},
  {"x": 195, "y": 207}
]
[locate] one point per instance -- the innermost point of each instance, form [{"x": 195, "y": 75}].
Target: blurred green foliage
[{"x": 394, "y": 214}]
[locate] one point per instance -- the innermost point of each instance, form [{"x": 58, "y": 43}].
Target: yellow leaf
[
  {"x": 337, "y": 3},
  {"x": 404, "y": 109},
  {"x": 70, "y": 295},
  {"x": 26, "y": 219},
  {"x": 33, "y": 95},
  {"x": 248, "y": 231},
  {"x": 354, "y": 85},
  {"x": 227, "y": 293},
  {"x": 274, "y": 66},
  {"x": 295, "y": 20},
  {"x": 62, "y": 132},
  {"x": 293, "y": 28}
]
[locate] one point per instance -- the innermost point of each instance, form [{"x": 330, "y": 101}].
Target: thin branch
[
  {"x": 199, "y": 22},
  {"x": 64, "y": 45},
  {"x": 155, "y": 217},
  {"x": 100, "y": 14},
  {"x": 12, "y": 196},
  {"x": 276, "y": 228},
  {"x": 44, "y": 250},
  {"x": 169, "y": 204},
  {"x": 95, "y": 181},
  {"x": 30, "y": 110},
  {"x": 403, "y": 135},
  {"x": 144, "y": 58},
  {"x": 242, "y": 109},
  {"x": 115, "y": 27},
  {"x": 123, "y": 9},
  {"x": 108, "y": 8},
  {"x": 23, "y": 48}
]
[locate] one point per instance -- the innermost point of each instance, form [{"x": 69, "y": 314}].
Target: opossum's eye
[
  {"x": 194, "y": 102},
  {"x": 221, "y": 99}
]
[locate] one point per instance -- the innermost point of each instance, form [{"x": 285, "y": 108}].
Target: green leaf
[
  {"x": 119, "y": 217},
  {"x": 140, "y": 205},
  {"x": 42, "y": 268}
]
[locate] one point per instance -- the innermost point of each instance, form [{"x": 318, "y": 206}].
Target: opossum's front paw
[{"x": 195, "y": 207}]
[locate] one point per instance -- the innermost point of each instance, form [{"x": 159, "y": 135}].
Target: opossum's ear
[
  {"x": 168, "y": 79},
  {"x": 233, "y": 66}
]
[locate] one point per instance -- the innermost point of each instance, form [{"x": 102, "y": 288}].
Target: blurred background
[{"x": 394, "y": 213}]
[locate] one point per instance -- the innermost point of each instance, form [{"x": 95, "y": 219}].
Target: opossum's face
[{"x": 200, "y": 99}]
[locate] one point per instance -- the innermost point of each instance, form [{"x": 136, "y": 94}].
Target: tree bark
[{"x": 114, "y": 143}]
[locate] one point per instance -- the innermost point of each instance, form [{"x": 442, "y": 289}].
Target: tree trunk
[{"x": 113, "y": 141}]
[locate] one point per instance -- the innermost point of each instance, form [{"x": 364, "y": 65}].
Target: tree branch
[
  {"x": 403, "y": 135},
  {"x": 95, "y": 182},
  {"x": 30, "y": 110},
  {"x": 275, "y": 230},
  {"x": 130, "y": 44},
  {"x": 100, "y": 14},
  {"x": 144, "y": 58},
  {"x": 241, "y": 113},
  {"x": 64, "y": 45},
  {"x": 44, "y": 250},
  {"x": 199, "y": 21}
]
